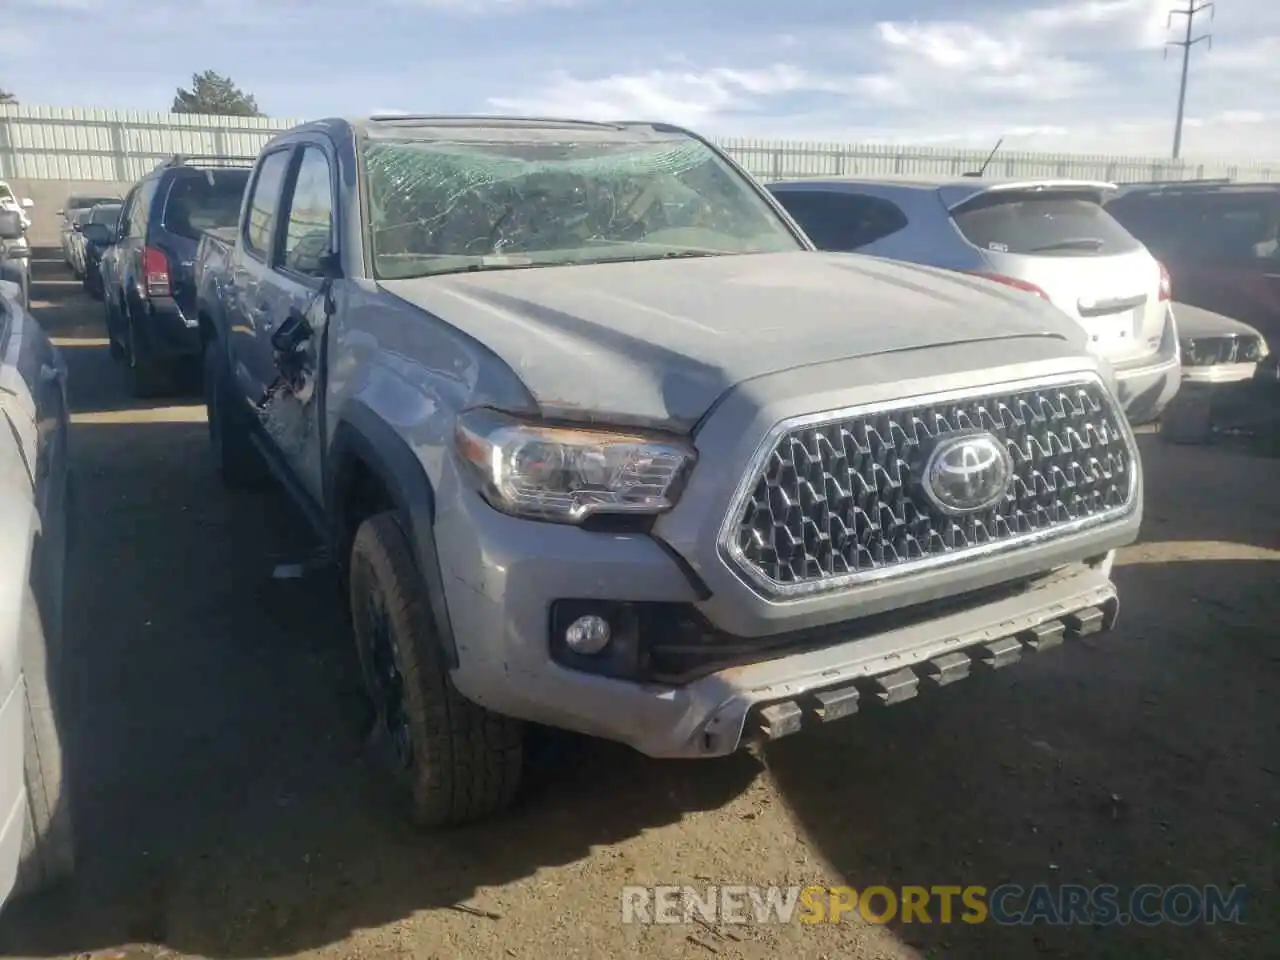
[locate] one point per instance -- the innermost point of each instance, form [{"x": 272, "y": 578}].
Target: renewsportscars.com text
[{"x": 1007, "y": 905}]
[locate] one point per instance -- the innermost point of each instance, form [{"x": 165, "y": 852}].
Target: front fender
[{"x": 361, "y": 436}]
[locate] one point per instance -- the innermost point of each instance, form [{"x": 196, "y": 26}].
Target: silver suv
[
  {"x": 1049, "y": 238},
  {"x": 601, "y": 442}
]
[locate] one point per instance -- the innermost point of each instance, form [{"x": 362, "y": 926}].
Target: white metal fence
[{"x": 73, "y": 144}]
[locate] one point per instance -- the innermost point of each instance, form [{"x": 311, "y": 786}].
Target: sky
[{"x": 1079, "y": 76}]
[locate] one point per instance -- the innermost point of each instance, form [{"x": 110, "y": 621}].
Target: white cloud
[
  {"x": 684, "y": 97},
  {"x": 1081, "y": 76},
  {"x": 1137, "y": 24},
  {"x": 923, "y": 61},
  {"x": 952, "y": 46},
  {"x": 1242, "y": 116}
]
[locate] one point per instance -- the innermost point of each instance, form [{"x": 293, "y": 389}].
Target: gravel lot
[{"x": 212, "y": 724}]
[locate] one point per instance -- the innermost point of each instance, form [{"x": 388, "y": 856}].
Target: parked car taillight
[
  {"x": 155, "y": 272},
  {"x": 1014, "y": 282},
  {"x": 1166, "y": 287}
]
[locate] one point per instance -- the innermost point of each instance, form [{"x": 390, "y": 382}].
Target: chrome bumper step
[{"x": 772, "y": 721}]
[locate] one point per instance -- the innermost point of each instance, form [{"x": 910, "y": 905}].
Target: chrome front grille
[{"x": 835, "y": 499}]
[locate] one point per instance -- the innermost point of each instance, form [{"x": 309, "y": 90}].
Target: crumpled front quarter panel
[{"x": 413, "y": 371}]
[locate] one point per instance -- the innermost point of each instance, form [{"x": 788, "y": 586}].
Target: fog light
[{"x": 588, "y": 635}]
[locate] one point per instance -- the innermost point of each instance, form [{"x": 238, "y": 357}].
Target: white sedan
[{"x": 36, "y": 845}]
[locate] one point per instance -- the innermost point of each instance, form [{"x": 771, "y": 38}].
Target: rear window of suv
[
  {"x": 1042, "y": 223},
  {"x": 204, "y": 200}
]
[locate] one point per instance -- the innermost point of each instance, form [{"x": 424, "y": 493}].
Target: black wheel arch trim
[{"x": 364, "y": 436}]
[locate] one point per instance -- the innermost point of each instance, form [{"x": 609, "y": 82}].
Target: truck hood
[{"x": 658, "y": 342}]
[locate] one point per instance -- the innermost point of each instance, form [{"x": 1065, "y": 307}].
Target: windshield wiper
[
  {"x": 1071, "y": 243},
  {"x": 481, "y": 268},
  {"x": 527, "y": 265},
  {"x": 669, "y": 255}
]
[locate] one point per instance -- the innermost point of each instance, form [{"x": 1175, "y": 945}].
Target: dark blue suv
[{"x": 148, "y": 291}]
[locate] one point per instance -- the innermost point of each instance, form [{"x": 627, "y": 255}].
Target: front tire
[{"x": 452, "y": 761}]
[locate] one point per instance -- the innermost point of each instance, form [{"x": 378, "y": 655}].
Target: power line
[{"x": 1190, "y": 11}]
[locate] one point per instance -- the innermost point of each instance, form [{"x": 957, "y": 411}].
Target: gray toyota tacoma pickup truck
[{"x": 601, "y": 442}]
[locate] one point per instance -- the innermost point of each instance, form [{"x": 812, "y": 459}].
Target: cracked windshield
[
  {"x": 450, "y": 207},
  {"x": 579, "y": 480}
]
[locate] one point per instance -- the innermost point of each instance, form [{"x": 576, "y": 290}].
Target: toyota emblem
[{"x": 967, "y": 472}]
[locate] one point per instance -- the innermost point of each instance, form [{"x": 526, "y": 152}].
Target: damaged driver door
[{"x": 307, "y": 268}]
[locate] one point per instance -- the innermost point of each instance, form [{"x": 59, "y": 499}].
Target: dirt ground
[{"x": 212, "y": 720}]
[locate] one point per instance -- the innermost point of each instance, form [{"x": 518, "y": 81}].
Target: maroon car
[{"x": 1219, "y": 240}]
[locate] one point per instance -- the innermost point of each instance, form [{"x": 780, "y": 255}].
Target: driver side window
[{"x": 309, "y": 230}]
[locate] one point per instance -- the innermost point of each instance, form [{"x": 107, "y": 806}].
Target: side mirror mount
[
  {"x": 27, "y": 203},
  {"x": 11, "y": 226},
  {"x": 331, "y": 266}
]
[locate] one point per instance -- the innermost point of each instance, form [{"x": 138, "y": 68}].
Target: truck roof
[{"x": 448, "y": 127}]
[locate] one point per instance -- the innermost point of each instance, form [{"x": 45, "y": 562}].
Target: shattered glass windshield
[{"x": 447, "y": 207}]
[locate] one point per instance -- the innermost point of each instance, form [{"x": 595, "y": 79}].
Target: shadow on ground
[{"x": 1223, "y": 493}]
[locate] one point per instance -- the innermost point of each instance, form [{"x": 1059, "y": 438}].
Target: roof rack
[
  {"x": 203, "y": 160},
  {"x": 485, "y": 119}
]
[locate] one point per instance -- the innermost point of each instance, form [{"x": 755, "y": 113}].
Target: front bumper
[
  {"x": 502, "y": 578},
  {"x": 720, "y": 712}
]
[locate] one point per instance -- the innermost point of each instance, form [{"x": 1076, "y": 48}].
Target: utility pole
[{"x": 1190, "y": 11}]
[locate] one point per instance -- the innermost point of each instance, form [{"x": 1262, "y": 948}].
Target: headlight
[{"x": 566, "y": 474}]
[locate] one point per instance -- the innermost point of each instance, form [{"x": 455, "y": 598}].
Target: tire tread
[{"x": 468, "y": 759}]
